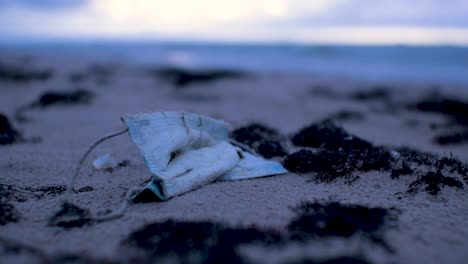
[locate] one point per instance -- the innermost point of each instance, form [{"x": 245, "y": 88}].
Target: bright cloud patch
[{"x": 350, "y": 21}]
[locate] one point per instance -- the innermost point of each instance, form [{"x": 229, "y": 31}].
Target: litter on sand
[{"x": 183, "y": 152}]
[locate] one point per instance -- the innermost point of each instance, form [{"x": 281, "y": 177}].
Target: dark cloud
[{"x": 42, "y": 4}]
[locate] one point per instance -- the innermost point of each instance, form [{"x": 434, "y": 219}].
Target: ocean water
[{"x": 438, "y": 64}]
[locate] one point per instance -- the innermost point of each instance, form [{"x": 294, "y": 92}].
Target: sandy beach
[{"x": 415, "y": 226}]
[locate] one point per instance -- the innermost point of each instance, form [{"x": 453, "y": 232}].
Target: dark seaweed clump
[
  {"x": 329, "y": 165},
  {"x": 334, "y": 219},
  {"x": 70, "y": 216},
  {"x": 101, "y": 73},
  {"x": 196, "y": 242},
  {"x": 346, "y": 115},
  {"x": 22, "y": 194},
  {"x": 432, "y": 182},
  {"x": 434, "y": 170},
  {"x": 78, "y": 259},
  {"x": 16, "y": 74},
  {"x": 183, "y": 77},
  {"x": 451, "y": 138},
  {"x": 54, "y": 97},
  {"x": 264, "y": 140},
  {"x": 376, "y": 93},
  {"x": 8, "y": 212},
  {"x": 456, "y": 112},
  {"x": 328, "y": 135},
  {"x": 454, "y": 109},
  {"x": 8, "y": 134},
  {"x": 339, "y": 260},
  {"x": 340, "y": 154}
]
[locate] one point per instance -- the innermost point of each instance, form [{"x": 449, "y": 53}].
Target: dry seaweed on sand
[
  {"x": 53, "y": 98},
  {"x": 8, "y": 213},
  {"x": 346, "y": 115},
  {"x": 195, "y": 242},
  {"x": 432, "y": 170},
  {"x": 11, "y": 247},
  {"x": 315, "y": 220},
  {"x": 8, "y": 134},
  {"x": 24, "y": 193},
  {"x": 328, "y": 165},
  {"x": 375, "y": 93},
  {"x": 184, "y": 77},
  {"x": 326, "y": 134},
  {"x": 456, "y": 112},
  {"x": 433, "y": 181},
  {"x": 70, "y": 216},
  {"x": 265, "y": 140},
  {"x": 340, "y": 154},
  {"x": 338, "y": 260},
  {"x": 50, "y": 98},
  {"x": 18, "y": 74},
  {"x": 452, "y": 138}
]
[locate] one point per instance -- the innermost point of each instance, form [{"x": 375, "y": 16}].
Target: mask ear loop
[
  {"x": 86, "y": 154},
  {"x": 119, "y": 212}
]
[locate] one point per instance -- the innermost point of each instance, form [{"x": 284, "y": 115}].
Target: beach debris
[
  {"x": 8, "y": 134},
  {"x": 262, "y": 139},
  {"x": 433, "y": 181},
  {"x": 52, "y": 98},
  {"x": 339, "y": 153},
  {"x": 70, "y": 215},
  {"x": 101, "y": 73},
  {"x": 323, "y": 91},
  {"x": 328, "y": 165},
  {"x": 212, "y": 242},
  {"x": 452, "y": 138},
  {"x": 195, "y": 242},
  {"x": 17, "y": 74},
  {"x": 326, "y": 134},
  {"x": 24, "y": 193},
  {"x": 86, "y": 189},
  {"x": 346, "y": 115},
  {"x": 77, "y": 77},
  {"x": 184, "y": 151},
  {"x": 77, "y": 258},
  {"x": 456, "y": 112},
  {"x": 8, "y": 213},
  {"x": 375, "y": 93},
  {"x": 105, "y": 162},
  {"x": 338, "y": 260},
  {"x": 184, "y": 77},
  {"x": 316, "y": 220}
]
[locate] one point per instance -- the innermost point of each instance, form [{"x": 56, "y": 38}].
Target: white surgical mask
[{"x": 184, "y": 151}]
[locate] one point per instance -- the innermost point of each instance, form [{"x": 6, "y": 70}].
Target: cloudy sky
[{"x": 317, "y": 21}]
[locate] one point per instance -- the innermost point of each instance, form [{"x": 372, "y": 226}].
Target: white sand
[{"x": 429, "y": 229}]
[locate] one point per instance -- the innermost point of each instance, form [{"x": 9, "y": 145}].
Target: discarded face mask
[{"x": 184, "y": 151}]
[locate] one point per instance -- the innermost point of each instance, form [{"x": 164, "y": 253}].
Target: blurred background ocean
[
  {"x": 374, "y": 63},
  {"x": 420, "y": 40}
]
